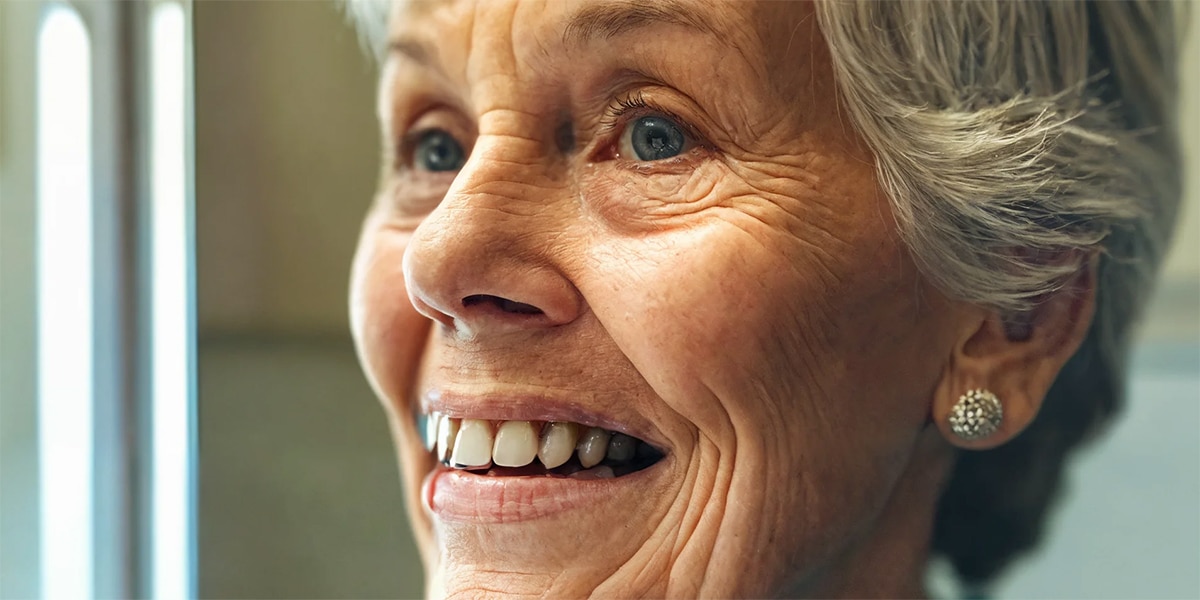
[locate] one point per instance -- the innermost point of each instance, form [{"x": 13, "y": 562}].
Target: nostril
[
  {"x": 519, "y": 307},
  {"x": 504, "y": 304}
]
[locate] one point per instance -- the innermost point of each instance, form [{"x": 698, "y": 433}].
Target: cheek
[
  {"x": 772, "y": 348},
  {"x": 689, "y": 309},
  {"x": 759, "y": 322},
  {"x": 389, "y": 333}
]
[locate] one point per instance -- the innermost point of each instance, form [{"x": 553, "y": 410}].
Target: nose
[{"x": 484, "y": 261}]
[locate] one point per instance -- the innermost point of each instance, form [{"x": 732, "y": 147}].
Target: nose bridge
[
  {"x": 506, "y": 190},
  {"x": 483, "y": 260},
  {"x": 507, "y": 169}
]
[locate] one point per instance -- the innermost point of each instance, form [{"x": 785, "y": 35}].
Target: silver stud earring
[{"x": 976, "y": 415}]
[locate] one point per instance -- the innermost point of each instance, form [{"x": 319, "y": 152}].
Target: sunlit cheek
[
  {"x": 666, "y": 270},
  {"x": 389, "y": 332},
  {"x": 665, "y": 298}
]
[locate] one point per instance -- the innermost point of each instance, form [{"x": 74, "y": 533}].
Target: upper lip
[{"x": 499, "y": 406}]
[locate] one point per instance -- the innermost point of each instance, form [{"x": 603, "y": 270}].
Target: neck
[{"x": 890, "y": 562}]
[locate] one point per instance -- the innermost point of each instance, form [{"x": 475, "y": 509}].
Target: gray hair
[
  {"x": 370, "y": 19},
  {"x": 1017, "y": 142}
]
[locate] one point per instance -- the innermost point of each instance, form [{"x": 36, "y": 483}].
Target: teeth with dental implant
[{"x": 530, "y": 448}]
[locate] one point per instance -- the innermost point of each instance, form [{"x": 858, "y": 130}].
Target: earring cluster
[{"x": 977, "y": 414}]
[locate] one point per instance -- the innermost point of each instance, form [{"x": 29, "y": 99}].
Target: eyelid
[
  {"x": 440, "y": 118},
  {"x": 626, "y": 108},
  {"x": 408, "y": 145}
]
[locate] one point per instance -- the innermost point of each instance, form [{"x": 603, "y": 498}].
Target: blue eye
[
  {"x": 653, "y": 138},
  {"x": 438, "y": 151}
]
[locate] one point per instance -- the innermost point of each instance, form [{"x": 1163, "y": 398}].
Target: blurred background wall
[
  {"x": 298, "y": 491},
  {"x": 299, "y": 496}
]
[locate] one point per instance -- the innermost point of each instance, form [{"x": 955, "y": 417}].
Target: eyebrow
[
  {"x": 413, "y": 49},
  {"x": 609, "y": 20}
]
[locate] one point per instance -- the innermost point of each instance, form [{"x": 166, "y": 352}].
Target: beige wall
[
  {"x": 286, "y": 161},
  {"x": 299, "y": 496},
  {"x": 19, "y": 521},
  {"x": 1184, "y": 262},
  {"x": 1174, "y": 314}
]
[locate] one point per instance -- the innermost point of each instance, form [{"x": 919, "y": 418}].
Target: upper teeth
[
  {"x": 558, "y": 444},
  {"x": 473, "y": 445},
  {"x": 516, "y": 444},
  {"x": 593, "y": 446},
  {"x": 479, "y": 444}
]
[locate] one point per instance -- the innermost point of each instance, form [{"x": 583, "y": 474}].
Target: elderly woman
[{"x": 684, "y": 298}]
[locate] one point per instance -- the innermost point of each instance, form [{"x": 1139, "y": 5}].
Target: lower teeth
[
  {"x": 572, "y": 469},
  {"x": 595, "y": 473}
]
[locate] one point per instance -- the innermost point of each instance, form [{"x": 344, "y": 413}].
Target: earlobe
[{"x": 997, "y": 377}]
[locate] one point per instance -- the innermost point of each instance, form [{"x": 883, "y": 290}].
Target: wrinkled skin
[{"x": 748, "y": 300}]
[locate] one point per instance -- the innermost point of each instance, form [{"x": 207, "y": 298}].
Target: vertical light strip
[
  {"x": 169, "y": 299},
  {"x": 64, "y": 305}
]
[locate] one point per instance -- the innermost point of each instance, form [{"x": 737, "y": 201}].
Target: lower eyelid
[{"x": 687, "y": 161}]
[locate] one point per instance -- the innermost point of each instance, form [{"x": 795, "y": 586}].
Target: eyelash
[{"x": 625, "y": 109}]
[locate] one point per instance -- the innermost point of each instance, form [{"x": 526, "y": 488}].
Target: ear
[{"x": 1016, "y": 358}]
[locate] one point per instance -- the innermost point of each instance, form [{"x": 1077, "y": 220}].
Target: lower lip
[{"x": 455, "y": 495}]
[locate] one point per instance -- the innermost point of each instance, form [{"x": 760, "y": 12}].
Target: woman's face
[{"x": 650, "y": 218}]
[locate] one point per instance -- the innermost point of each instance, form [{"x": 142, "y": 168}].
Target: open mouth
[{"x": 534, "y": 448}]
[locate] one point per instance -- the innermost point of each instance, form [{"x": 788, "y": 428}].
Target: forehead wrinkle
[
  {"x": 409, "y": 23},
  {"x": 608, "y": 20},
  {"x": 730, "y": 32}
]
